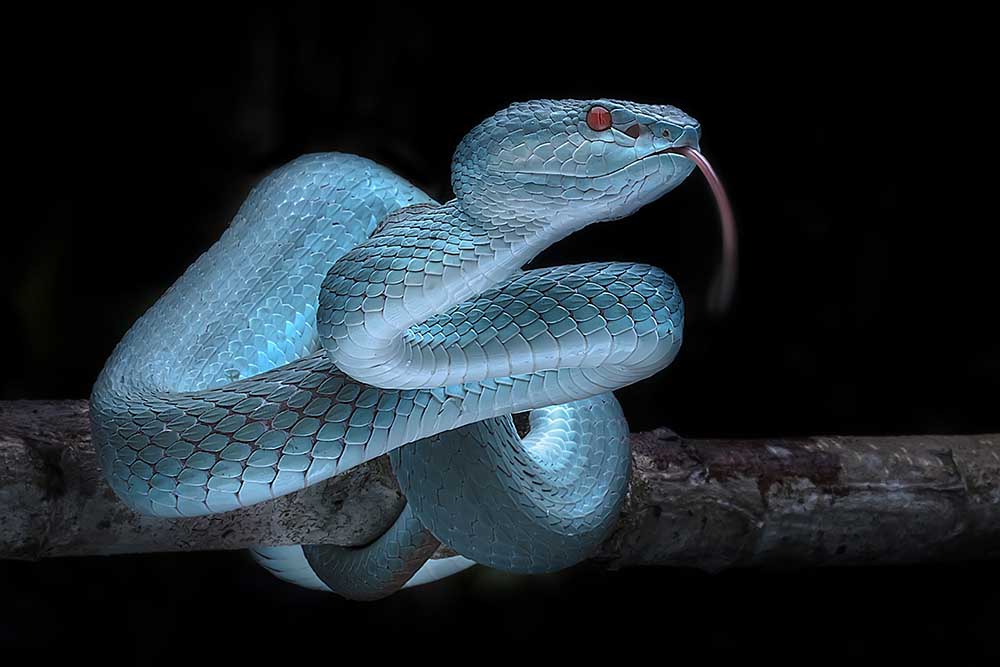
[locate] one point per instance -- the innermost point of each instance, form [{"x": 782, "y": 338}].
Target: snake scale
[{"x": 344, "y": 315}]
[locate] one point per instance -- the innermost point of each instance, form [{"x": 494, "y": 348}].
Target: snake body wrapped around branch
[{"x": 344, "y": 315}]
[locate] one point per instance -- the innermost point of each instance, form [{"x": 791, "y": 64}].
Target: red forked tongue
[{"x": 725, "y": 277}]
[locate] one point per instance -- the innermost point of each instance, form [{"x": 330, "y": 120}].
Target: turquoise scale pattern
[
  {"x": 381, "y": 317},
  {"x": 344, "y": 314},
  {"x": 216, "y": 397},
  {"x": 533, "y": 505}
]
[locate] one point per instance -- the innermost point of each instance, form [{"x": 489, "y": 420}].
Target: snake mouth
[{"x": 724, "y": 282}]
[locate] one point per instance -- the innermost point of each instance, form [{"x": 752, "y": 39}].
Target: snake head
[{"x": 573, "y": 161}]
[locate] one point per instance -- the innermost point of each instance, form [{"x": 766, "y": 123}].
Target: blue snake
[{"x": 344, "y": 315}]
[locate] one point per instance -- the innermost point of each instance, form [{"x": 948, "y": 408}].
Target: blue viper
[{"x": 345, "y": 315}]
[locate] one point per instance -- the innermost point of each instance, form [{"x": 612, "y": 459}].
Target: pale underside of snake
[{"x": 345, "y": 315}]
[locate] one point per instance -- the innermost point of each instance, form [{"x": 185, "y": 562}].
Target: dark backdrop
[{"x": 865, "y": 303}]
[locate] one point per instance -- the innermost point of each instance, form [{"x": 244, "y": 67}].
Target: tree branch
[{"x": 710, "y": 504}]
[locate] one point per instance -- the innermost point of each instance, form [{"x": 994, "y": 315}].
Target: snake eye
[{"x": 598, "y": 119}]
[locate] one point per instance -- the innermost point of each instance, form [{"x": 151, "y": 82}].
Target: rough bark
[
  {"x": 54, "y": 501},
  {"x": 710, "y": 504}
]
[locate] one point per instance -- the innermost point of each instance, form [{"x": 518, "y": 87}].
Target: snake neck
[
  {"x": 533, "y": 201},
  {"x": 515, "y": 235}
]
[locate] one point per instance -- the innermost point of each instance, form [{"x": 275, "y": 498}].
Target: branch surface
[{"x": 709, "y": 504}]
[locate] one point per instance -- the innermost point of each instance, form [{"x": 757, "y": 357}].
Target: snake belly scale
[{"x": 344, "y": 315}]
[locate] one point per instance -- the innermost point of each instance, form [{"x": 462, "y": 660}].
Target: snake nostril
[{"x": 665, "y": 133}]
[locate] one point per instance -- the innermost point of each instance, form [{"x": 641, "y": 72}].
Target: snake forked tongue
[{"x": 724, "y": 281}]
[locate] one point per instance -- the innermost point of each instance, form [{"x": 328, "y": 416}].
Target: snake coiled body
[{"x": 345, "y": 315}]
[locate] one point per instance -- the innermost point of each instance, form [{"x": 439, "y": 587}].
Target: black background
[{"x": 852, "y": 150}]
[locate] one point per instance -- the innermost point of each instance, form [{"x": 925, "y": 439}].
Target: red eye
[{"x": 598, "y": 119}]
